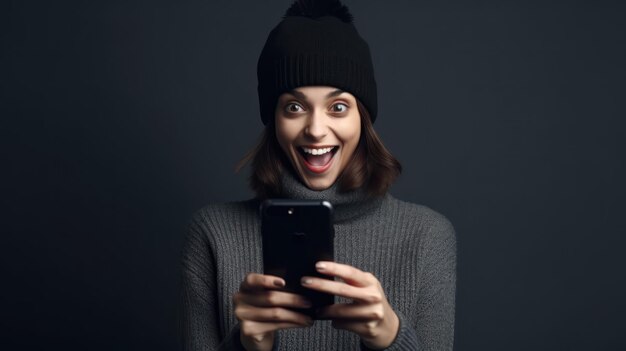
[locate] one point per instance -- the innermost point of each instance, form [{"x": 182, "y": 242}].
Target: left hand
[{"x": 369, "y": 315}]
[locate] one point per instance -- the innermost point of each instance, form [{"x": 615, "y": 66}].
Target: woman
[{"x": 395, "y": 261}]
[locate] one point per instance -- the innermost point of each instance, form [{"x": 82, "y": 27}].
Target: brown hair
[{"x": 371, "y": 166}]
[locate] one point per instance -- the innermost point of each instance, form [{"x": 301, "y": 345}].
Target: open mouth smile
[{"x": 318, "y": 159}]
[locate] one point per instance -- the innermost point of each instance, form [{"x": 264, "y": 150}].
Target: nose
[{"x": 316, "y": 126}]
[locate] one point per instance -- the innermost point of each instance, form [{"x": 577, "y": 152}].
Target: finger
[
  {"x": 347, "y": 273},
  {"x": 272, "y": 298},
  {"x": 353, "y": 312},
  {"x": 342, "y": 289},
  {"x": 252, "y": 328},
  {"x": 271, "y": 314},
  {"x": 256, "y": 281}
]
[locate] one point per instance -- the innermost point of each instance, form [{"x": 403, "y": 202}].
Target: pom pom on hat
[
  {"x": 316, "y": 44},
  {"x": 316, "y": 9}
]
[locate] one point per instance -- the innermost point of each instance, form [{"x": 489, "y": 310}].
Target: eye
[
  {"x": 292, "y": 107},
  {"x": 339, "y": 107}
]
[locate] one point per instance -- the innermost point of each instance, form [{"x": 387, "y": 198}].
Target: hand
[
  {"x": 369, "y": 315},
  {"x": 261, "y": 310}
]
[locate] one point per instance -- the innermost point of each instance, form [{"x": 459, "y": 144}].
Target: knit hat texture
[{"x": 316, "y": 43}]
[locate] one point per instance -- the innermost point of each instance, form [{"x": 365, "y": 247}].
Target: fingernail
[
  {"x": 320, "y": 266},
  {"x": 306, "y": 281},
  {"x": 279, "y": 283}
]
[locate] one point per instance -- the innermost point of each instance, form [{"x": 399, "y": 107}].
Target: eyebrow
[{"x": 300, "y": 95}]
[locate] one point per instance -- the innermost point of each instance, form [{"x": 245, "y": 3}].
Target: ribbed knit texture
[
  {"x": 326, "y": 51},
  {"x": 410, "y": 248}
]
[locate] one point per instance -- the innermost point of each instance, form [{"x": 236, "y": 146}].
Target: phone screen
[{"x": 296, "y": 235}]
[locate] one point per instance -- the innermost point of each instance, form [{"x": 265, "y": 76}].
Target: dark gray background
[{"x": 121, "y": 118}]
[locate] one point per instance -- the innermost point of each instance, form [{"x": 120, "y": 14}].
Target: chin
[{"x": 319, "y": 185}]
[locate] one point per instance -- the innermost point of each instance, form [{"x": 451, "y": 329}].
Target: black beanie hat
[{"x": 316, "y": 43}]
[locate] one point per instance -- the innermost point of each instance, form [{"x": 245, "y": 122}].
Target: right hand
[{"x": 262, "y": 309}]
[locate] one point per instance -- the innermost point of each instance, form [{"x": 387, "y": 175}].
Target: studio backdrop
[{"x": 120, "y": 119}]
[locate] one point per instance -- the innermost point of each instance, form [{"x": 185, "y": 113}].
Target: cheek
[
  {"x": 354, "y": 138},
  {"x": 285, "y": 134},
  {"x": 351, "y": 135},
  {"x": 350, "y": 141}
]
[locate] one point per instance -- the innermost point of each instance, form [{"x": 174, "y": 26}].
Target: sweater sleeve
[
  {"x": 436, "y": 299},
  {"x": 405, "y": 340},
  {"x": 199, "y": 317}
]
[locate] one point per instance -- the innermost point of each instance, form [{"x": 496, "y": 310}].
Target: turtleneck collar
[{"x": 346, "y": 205}]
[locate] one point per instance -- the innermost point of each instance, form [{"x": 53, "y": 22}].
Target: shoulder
[
  {"x": 423, "y": 218},
  {"x": 225, "y": 211},
  {"x": 422, "y": 213},
  {"x": 213, "y": 217}
]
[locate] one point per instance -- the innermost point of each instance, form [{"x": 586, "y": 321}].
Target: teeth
[{"x": 317, "y": 151}]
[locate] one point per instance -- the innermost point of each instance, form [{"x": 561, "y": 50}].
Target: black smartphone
[{"x": 296, "y": 235}]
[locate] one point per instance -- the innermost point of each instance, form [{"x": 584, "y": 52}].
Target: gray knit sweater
[{"x": 410, "y": 248}]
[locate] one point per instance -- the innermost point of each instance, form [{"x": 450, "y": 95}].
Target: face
[{"x": 318, "y": 128}]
